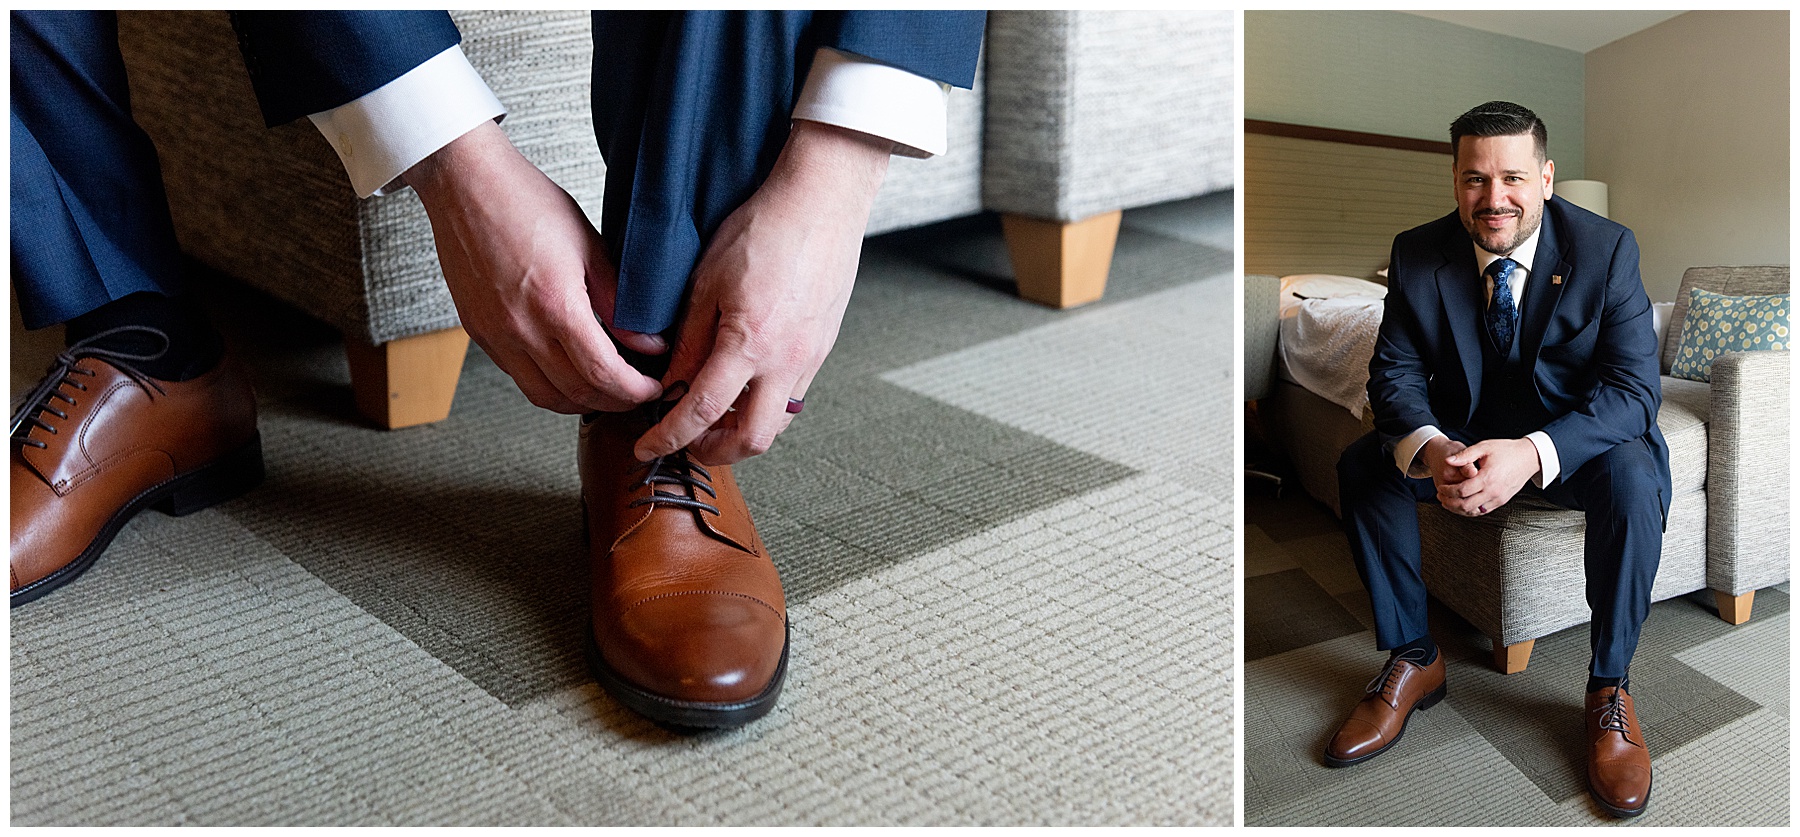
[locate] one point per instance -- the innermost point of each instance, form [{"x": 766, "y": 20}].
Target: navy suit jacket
[
  {"x": 691, "y": 108},
  {"x": 1588, "y": 339},
  {"x": 307, "y": 62}
]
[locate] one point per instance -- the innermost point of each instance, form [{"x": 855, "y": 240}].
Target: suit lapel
[
  {"x": 1543, "y": 290},
  {"x": 1460, "y": 288}
]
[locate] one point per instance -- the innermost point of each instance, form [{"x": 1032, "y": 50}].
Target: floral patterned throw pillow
[{"x": 1717, "y": 324}]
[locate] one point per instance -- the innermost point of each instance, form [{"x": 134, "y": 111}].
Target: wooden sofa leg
[
  {"x": 1061, "y": 264},
  {"x": 408, "y": 381},
  {"x": 1511, "y": 659},
  {"x": 1734, "y": 609}
]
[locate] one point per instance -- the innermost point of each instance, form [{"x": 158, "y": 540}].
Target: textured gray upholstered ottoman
[{"x": 1090, "y": 113}]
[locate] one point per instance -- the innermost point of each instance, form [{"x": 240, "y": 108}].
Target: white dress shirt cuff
[
  {"x": 1549, "y": 467},
  {"x": 387, "y": 131},
  {"x": 1406, "y": 452},
  {"x": 854, "y": 92}
]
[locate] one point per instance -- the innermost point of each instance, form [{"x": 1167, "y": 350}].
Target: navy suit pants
[
  {"x": 1620, "y": 492},
  {"x": 90, "y": 219}
]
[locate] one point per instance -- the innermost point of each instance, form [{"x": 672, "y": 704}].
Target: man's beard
[{"x": 1490, "y": 240}]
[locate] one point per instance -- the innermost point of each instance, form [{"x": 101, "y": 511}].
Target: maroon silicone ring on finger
[{"x": 795, "y": 405}]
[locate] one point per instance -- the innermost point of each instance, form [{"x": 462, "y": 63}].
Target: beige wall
[
  {"x": 1687, "y": 122},
  {"x": 1405, "y": 75}
]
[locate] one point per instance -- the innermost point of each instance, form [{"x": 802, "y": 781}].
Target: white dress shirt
[
  {"x": 384, "y": 133},
  {"x": 1406, "y": 452}
]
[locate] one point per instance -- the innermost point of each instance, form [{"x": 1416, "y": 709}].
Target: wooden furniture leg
[
  {"x": 1734, "y": 609},
  {"x": 1061, "y": 264},
  {"x": 1511, "y": 659},
  {"x": 407, "y": 381}
]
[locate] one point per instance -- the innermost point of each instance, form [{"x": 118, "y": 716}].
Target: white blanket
[{"x": 1325, "y": 344}]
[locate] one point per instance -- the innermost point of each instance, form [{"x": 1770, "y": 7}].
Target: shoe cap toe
[{"x": 701, "y": 646}]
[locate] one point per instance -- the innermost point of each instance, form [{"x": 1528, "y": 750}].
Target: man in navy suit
[
  {"x": 1516, "y": 353},
  {"x": 743, "y": 153}
]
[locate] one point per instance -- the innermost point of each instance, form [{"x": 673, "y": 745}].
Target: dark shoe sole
[
  {"x": 1424, "y": 703},
  {"x": 685, "y": 716},
  {"x": 226, "y": 478},
  {"x": 1622, "y": 813}
]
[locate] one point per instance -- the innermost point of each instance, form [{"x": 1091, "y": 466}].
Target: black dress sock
[
  {"x": 1595, "y": 684},
  {"x": 1423, "y": 643},
  {"x": 194, "y": 347},
  {"x": 652, "y": 366}
]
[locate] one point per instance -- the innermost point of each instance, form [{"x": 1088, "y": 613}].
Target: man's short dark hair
[{"x": 1500, "y": 119}]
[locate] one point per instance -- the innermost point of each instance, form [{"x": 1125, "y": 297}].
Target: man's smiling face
[{"x": 1501, "y": 187}]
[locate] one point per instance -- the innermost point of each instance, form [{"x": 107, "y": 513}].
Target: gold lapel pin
[{"x": 1555, "y": 279}]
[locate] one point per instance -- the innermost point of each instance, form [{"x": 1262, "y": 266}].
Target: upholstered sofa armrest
[{"x": 1747, "y": 479}]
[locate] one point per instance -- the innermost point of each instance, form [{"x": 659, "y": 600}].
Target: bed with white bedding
[
  {"x": 1319, "y": 402},
  {"x": 1327, "y": 333}
]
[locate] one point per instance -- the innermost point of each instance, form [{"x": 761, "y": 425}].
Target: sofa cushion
[{"x": 1683, "y": 422}]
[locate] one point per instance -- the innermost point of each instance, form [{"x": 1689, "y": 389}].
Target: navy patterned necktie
[{"x": 1501, "y": 312}]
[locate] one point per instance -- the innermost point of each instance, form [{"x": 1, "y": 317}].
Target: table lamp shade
[{"x": 1587, "y": 194}]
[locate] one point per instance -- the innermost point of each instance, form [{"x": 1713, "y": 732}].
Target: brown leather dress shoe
[
  {"x": 97, "y": 442},
  {"x": 689, "y": 623},
  {"x": 1377, "y": 722},
  {"x": 1618, "y": 764}
]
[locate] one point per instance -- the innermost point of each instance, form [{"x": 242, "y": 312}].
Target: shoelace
[
  {"x": 674, "y": 469},
  {"x": 1389, "y": 676},
  {"x": 62, "y": 370},
  {"x": 1612, "y": 714}
]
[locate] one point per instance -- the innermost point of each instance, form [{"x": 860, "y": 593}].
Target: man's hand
[
  {"x": 1435, "y": 452},
  {"x": 529, "y": 275},
  {"x": 769, "y": 295},
  {"x": 1502, "y": 468}
]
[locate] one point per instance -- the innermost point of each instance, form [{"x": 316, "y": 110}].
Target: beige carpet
[{"x": 1007, "y": 552}]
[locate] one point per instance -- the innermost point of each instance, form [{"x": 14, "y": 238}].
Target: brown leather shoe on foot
[
  {"x": 97, "y": 442},
  {"x": 1618, "y": 764},
  {"x": 689, "y": 623},
  {"x": 1376, "y": 723}
]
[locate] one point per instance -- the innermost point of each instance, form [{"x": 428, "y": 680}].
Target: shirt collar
[{"x": 1524, "y": 254}]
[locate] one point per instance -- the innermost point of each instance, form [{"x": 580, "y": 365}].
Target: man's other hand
[
  {"x": 769, "y": 295},
  {"x": 1502, "y": 468},
  {"x": 529, "y": 275}
]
